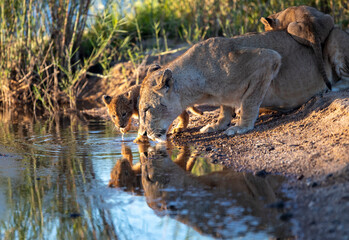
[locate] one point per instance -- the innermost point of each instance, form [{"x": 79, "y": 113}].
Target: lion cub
[
  {"x": 308, "y": 26},
  {"x": 123, "y": 107}
]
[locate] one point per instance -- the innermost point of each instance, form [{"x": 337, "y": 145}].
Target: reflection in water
[
  {"x": 125, "y": 174},
  {"x": 48, "y": 195},
  {"x": 213, "y": 200},
  {"x": 55, "y": 173}
]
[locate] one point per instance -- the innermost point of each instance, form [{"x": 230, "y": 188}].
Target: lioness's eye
[{"x": 113, "y": 116}]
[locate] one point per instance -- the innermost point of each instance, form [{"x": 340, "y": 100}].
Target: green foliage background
[{"x": 48, "y": 48}]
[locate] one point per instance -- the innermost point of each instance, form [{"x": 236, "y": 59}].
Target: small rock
[
  {"x": 286, "y": 216},
  {"x": 261, "y": 173},
  {"x": 312, "y": 184},
  {"x": 329, "y": 175},
  {"x": 75, "y": 215},
  {"x": 346, "y": 197},
  {"x": 278, "y": 205}
]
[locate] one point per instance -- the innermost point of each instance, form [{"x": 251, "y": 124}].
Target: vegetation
[
  {"x": 51, "y": 192},
  {"x": 49, "y": 48}
]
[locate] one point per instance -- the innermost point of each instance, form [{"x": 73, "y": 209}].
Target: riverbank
[{"x": 310, "y": 146}]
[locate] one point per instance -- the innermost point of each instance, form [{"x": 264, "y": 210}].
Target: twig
[{"x": 98, "y": 75}]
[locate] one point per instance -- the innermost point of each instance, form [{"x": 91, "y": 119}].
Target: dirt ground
[{"x": 309, "y": 145}]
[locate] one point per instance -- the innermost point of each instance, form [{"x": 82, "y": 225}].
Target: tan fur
[
  {"x": 307, "y": 26},
  {"x": 336, "y": 55},
  {"x": 124, "y": 173},
  {"x": 123, "y": 107},
  {"x": 268, "y": 70}
]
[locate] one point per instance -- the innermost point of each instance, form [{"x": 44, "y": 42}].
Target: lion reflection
[
  {"x": 127, "y": 175},
  {"x": 222, "y": 204},
  {"x": 214, "y": 203}
]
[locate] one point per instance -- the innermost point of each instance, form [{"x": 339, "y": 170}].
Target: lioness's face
[
  {"x": 159, "y": 104},
  {"x": 120, "y": 109}
]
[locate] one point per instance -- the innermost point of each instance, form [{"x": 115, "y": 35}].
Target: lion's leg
[
  {"x": 305, "y": 34},
  {"x": 254, "y": 94},
  {"x": 302, "y": 33},
  {"x": 141, "y": 137},
  {"x": 342, "y": 84},
  {"x": 249, "y": 114},
  {"x": 183, "y": 157},
  {"x": 195, "y": 111},
  {"x": 224, "y": 119},
  {"x": 183, "y": 121}
]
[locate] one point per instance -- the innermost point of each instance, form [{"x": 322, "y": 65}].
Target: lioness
[
  {"x": 306, "y": 25},
  {"x": 123, "y": 107},
  {"x": 268, "y": 69}
]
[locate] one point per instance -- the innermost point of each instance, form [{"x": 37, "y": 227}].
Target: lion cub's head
[{"x": 122, "y": 107}]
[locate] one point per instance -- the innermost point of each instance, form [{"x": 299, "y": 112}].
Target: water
[{"x": 54, "y": 178}]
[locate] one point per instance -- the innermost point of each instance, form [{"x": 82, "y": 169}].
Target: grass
[{"x": 49, "y": 48}]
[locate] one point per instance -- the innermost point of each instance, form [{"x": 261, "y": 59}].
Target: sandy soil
[{"x": 309, "y": 145}]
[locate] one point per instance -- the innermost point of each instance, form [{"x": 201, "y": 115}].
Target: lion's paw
[
  {"x": 141, "y": 139},
  {"x": 177, "y": 130},
  {"x": 236, "y": 130},
  {"x": 208, "y": 129}
]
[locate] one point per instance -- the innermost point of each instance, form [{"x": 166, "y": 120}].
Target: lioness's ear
[
  {"x": 153, "y": 68},
  {"x": 165, "y": 80},
  {"x": 106, "y": 99},
  {"x": 268, "y": 22}
]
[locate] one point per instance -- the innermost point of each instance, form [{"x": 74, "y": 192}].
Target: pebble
[
  {"x": 278, "y": 205},
  {"x": 261, "y": 173},
  {"x": 286, "y": 216},
  {"x": 75, "y": 215}
]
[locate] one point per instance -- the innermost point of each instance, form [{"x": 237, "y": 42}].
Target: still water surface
[{"x": 55, "y": 176}]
